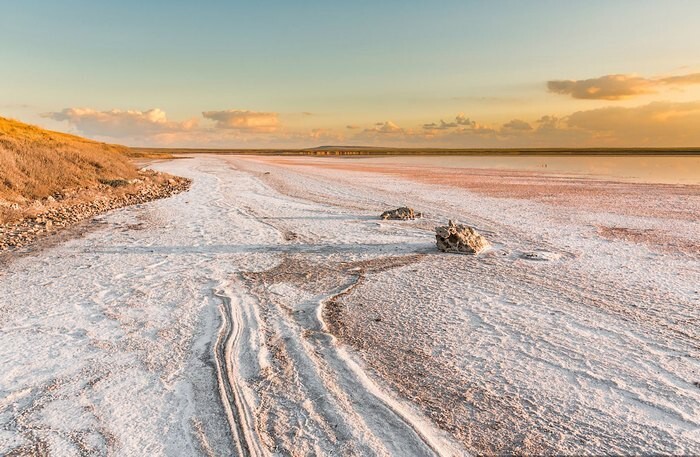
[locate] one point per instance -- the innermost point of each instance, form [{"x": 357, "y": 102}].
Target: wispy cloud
[
  {"x": 618, "y": 87},
  {"x": 253, "y": 121}
]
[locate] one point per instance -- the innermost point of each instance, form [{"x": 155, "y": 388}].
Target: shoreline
[
  {"x": 407, "y": 335},
  {"x": 57, "y": 215},
  {"x": 331, "y": 151},
  {"x": 127, "y": 319}
]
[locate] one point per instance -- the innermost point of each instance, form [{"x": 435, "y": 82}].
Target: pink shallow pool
[{"x": 651, "y": 169}]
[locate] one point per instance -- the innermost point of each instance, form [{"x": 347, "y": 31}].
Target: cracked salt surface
[{"x": 200, "y": 325}]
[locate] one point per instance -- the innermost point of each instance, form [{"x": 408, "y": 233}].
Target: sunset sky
[{"x": 390, "y": 73}]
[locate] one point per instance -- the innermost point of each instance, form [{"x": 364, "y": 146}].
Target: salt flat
[{"x": 268, "y": 311}]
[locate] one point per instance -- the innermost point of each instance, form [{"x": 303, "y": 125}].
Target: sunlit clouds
[
  {"x": 120, "y": 124},
  {"x": 666, "y": 123},
  {"x": 460, "y": 122},
  {"x": 609, "y": 123},
  {"x": 385, "y": 127},
  {"x": 517, "y": 125},
  {"x": 619, "y": 87},
  {"x": 244, "y": 120},
  {"x": 261, "y": 75},
  {"x": 658, "y": 123}
]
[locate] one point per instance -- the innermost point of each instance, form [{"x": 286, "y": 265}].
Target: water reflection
[{"x": 651, "y": 169}]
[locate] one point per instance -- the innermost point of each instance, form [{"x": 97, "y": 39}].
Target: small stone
[{"x": 403, "y": 213}]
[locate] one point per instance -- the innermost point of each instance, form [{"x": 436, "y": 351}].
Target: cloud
[
  {"x": 441, "y": 126},
  {"x": 610, "y": 87},
  {"x": 385, "y": 127},
  {"x": 618, "y": 87},
  {"x": 657, "y": 123},
  {"x": 672, "y": 124},
  {"x": 693, "y": 78},
  {"x": 120, "y": 124},
  {"x": 460, "y": 121},
  {"x": 252, "y": 121},
  {"x": 321, "y": 134},
  {"x": 548, "y": 122},
  {"x": 516, "y": 125}
]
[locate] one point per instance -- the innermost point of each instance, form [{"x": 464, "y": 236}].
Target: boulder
[
  {"x": 460, "y": 239},
  {"x": 404, "y": 213}
]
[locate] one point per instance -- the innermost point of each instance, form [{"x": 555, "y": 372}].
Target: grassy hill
[{"x": 37, "y": 163}]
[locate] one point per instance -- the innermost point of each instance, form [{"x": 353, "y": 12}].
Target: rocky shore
[{"x": 64, "y": 210}]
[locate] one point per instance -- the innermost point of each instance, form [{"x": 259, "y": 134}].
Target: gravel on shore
[{"x": 62, "y": 213}]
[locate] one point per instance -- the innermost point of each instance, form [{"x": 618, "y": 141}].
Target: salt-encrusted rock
[
  {"x": 460, "y": 239},
  {"x": 404, "y": 213}
]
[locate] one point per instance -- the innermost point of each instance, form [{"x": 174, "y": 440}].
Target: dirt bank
[{"x": 63, "y": 210}]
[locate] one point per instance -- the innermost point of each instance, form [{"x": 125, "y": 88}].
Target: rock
[
  {"x": 404, "y": 213},
  {"x": 460, "y": 239}
]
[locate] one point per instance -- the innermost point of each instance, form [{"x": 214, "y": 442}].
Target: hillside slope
[
  {"x": 51, "y": 180},
  {"x": 37, "y": 163}
]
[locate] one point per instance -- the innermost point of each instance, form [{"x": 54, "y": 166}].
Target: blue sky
[{"x": 311, "y": 69}]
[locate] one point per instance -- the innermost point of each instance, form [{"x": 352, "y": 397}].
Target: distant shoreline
[{"x": 370, "y": 152}]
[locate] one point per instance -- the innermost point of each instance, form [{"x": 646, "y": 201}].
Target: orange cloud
[
  {"x": 657, "y": 123},
  {"x": 672, "y": 124},
  {"x": 693, "y": 78},
  {"x": 516, "y": 125},
  {"x": 618, "y": 87},
  {"x": 244, "y": 120}
]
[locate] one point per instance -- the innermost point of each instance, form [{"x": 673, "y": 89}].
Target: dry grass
[
  {"x": 141, "y": 153},
  {"x": 37, "y": 163}
]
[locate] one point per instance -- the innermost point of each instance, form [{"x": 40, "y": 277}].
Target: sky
[{"x": 461, "y": 74}]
